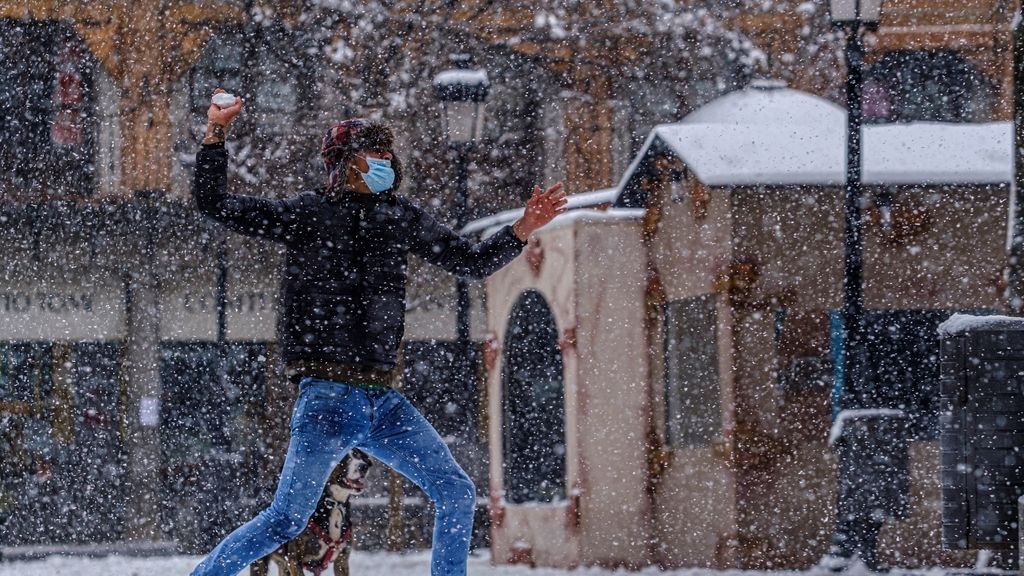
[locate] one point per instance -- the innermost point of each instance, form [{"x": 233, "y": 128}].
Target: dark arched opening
[
  {"x": 926, "y": 85},
  {"x": 533, "y": 404}
]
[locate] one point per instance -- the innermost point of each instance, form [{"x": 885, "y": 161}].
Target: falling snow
[{"x": 748, "y": 339}]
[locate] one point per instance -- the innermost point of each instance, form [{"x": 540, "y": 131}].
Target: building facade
[{"x": 138, "y": 341}]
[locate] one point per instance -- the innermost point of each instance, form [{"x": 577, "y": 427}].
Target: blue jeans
[{"x": 331, "y": 418}]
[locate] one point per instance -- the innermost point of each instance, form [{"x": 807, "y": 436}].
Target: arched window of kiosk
[
  {"x": 533, "y": 405},
  {"x": 47, "y": 112}
]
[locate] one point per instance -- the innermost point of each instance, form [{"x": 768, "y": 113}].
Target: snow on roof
[
  {"x": 794, "y": 154},
  {"x": 461, "y": 76},
  {"x": 736, "y": 154},
  {"x": 765, "y": 135},
  {"x": 960, "y": 323},
  {"x": 941, "y": 153},
  {"x": 768, "y": 102},
  {"x": 572, "y": 202}
]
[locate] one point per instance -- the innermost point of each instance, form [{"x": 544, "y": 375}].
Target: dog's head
[
  {"x": 331, "y": 516},
  {"x": 349, "y": 476}
]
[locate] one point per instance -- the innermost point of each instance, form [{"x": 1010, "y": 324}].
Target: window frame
[
  {"x": 30, "y": 160},
  {"x": 708, "y": 429}
]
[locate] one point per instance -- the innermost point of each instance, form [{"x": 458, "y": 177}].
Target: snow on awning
[
  {"x": 462, "y": 77},
  {"x": 807, "y": 154},
  {"x": 960, "y": 323},
  {"x": 862, "y": 414},
  {"x": 578, "y": 215},
  {"x": 572, "y": 202}
]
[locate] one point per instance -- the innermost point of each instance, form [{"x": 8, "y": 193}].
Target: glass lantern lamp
[
  {"x": 462, "y": 92},
  {"x": 866, "y": 12}
]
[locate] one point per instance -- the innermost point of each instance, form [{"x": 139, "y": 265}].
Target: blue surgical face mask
[{"x": 380, "y": 177}]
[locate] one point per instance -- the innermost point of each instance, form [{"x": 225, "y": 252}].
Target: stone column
[{"x": 141, "y": 375}]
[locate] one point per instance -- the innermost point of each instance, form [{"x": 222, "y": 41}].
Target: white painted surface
[{"x": 90, "y": 308}]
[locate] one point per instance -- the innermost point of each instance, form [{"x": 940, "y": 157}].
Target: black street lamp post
[
  {"x": 462, "y": 92},
  {"x": 857, "y": 521},
  {"x": 854, "y": 16}
]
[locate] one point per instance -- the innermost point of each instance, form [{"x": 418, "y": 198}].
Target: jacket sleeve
[
  {"x": 249, "y": 215},
  {"x": 443, "y": 247}
]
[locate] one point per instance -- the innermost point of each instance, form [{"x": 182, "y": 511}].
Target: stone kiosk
[{"x": 697, "y": 340}]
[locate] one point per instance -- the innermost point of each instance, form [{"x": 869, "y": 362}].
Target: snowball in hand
[{"x": 223, "y": 100}]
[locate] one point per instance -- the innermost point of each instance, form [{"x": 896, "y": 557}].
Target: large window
[
  {"x": 61, "y": 462},
  {"x": 47, "y": 119},
  {"x": 273, "y": 144},
  {"x": 692, "y": 391},
  {"x": 95, "y": 459},
  {"x": 219, "y": 66},
  {"x": 26, "y": 442},
  {"x": 533, "y": 405},
  {"x": 212, "y": 408},
  {"x": 260, "y": 66},
  {"x": 941, "y": 85}
]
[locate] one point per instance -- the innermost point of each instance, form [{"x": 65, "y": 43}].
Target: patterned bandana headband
[{"x": 337, "y": 148}]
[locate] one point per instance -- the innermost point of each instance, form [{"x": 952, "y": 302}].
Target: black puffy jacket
[{"x": 344, "y": 276}]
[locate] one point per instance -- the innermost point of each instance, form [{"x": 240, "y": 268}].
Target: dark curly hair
[{"x": 344, "y": 140}]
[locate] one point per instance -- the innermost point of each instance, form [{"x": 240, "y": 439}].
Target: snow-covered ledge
[
  {"x": 960, "y": 323},
  {"x": 845, "y": 416}
]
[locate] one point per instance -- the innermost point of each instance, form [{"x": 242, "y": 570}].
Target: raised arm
[
  {"x": 443, "y": 247},
  {"x": 249, "y": 215}
]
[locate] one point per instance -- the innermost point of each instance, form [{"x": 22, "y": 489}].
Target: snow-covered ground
[{"x": 362, "y": 564}]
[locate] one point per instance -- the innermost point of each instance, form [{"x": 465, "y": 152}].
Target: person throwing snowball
[{"x": 343, "y": 308}]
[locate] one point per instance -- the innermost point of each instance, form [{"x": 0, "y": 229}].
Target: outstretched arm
[
  {"x": 441, "y": 246},
  {"x": 249, "y": 215}
]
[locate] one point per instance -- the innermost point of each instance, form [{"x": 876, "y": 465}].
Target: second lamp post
[
  {"x": 854, "y": 16},
  {"x": 462, "y": 92},
  {"x": 866, "y": 474}
]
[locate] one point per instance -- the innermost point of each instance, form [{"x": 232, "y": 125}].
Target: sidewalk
[
  {"x": 363, "y": 564},
  {"x": 139, "y": 549}
]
